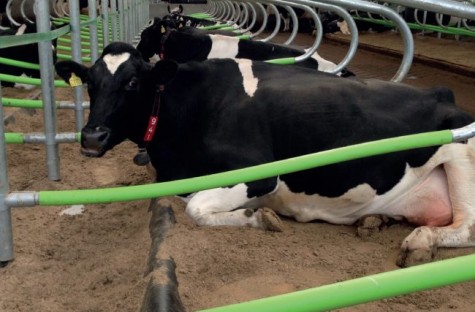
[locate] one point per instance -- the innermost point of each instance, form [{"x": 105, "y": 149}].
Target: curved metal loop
[
  {"x": 229, "y": 12},
  {"x": 243, "y": 16},
  {"x": 424, "y": 17},
  {"x": 277, "y": 22},
  {"x": 452, "y": 8},
  {"x": 54, "y": 10},
  {"x": 61, "y": 7},
  {"x": 8, "y": 11},
  {"x": 318, "y": 25},
  {"x": 466, "y": 25},
  {"x": 353, "y": 30},
  {"x": 264, "y": 20},
  {"x": 222, "y": 11},
  {"x": 23, "y": 14},
  {"x": 254, "y": 17},
  {"x": 235, "y": 13},
  {"x": 225, "y": 12},
  {"x": 405, "y": 32},
  {"x": 295, "y": 24}
]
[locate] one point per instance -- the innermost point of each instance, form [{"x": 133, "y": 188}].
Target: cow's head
[
  {"x": 152, "y": 38},
  {"x": 121, "y": 88},
  {"x": 176, "y": 10}
]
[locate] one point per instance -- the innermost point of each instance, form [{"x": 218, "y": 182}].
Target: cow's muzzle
[{"x": 94, "y": 141}]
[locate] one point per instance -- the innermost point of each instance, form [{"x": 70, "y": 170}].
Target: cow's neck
[{"x": 177, "y": 41}]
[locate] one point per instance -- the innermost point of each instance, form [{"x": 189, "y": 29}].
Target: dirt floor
[{"x": 95, "y": 261}]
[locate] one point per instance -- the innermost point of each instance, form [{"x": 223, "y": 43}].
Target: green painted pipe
[
  {"x": 211, "y": 27},
  {"x": 244, "y": 37},
  {"x": 282, "y": 61},
  {"x": 10, "y": 102},
  {"x": 16, "y": 63},
  {"x": 69, "y": 49},
  {"x": 30, "y": 81},
  {"x": 119, "y": 194},
  {"x": 69, "y": 57},
  {"x": 200, "y": 15},
  {"x": 84, "y": 43},
  {"x": 14, "y": 138},
  {"x": 364, "y": 289}
]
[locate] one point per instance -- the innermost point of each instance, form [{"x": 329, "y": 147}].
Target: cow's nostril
[{"x": 103, "y": 137}]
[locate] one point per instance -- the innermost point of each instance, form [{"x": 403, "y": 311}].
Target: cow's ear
[
  {"x": 164, "y": 71},
  {"x": 168, "y": 8},
  {"x": 73, "y": 73},
  {"x": 181, "y": 8}
]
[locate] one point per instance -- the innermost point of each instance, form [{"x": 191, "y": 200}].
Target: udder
[{"x": 429, "y": 203}]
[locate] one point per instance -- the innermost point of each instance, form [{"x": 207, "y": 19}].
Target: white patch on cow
[
  {"x": 223, "y": 47},
  {"x": 248, "y": 80},
  {"x": 155, "y": 58},
  {"x": 218, "y": 207},
  {"x": 73, "y": 210},
  {"x": 323, "y": 64},
  {"x": 113, "y": 61},
  {"x": 23, "y": 85},
  {"x": 345, "y": 30},
  {"x": 422, "y": 195},
  {"x": 21, "y": 30}
]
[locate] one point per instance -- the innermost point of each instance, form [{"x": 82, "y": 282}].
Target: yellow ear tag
[
  {"x": 75, "y": 81},
  {"x": 162, "y": 30}
]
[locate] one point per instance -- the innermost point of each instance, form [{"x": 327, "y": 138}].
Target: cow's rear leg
[
  {"x": 233, "y": 207},
  {"x": 420, "y": 246}
]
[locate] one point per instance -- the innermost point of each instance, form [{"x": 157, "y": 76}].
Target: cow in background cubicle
[
  {"x": 182, "y": 45},
  {"x": 26, "y": 53}
]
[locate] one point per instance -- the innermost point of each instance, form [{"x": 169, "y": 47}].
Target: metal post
[
  {"x": 47, "y": 89},
  {"x": 105, "y": 22},
  {"x": 121, "y": 21},
  {"x": 93, "y": 30},
  {"x": 76, "y": 55},
  {"x": 6, "y": 233},
  {"x": 115, "y": 35}
]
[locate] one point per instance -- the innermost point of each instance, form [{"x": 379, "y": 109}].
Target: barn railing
[{"x": 133, "y": 12}]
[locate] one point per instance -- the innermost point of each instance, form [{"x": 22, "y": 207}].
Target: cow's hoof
[
  {"x": 369, "y": 225},
  {"x": 270, "y": 220},
  {"x": 408, "y": 258},
  {"x": 417, "y": 248}
]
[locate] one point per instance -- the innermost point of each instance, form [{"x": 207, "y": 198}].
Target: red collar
[{"x": 153, "y": 120}]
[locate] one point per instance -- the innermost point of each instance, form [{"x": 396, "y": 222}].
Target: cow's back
[{"x": 311, "y": 113}]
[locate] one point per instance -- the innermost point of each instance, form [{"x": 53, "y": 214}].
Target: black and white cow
[
  {"x": 183, "y": 45},
  {"x": 25, "y": 53},
  {"x": 176, "y": 14},
  {"x": 217, "y": 115}
]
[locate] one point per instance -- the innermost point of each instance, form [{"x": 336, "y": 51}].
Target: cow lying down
[
  {"x": 223, "y": 114},
  {"x": 184, "y": 44}
]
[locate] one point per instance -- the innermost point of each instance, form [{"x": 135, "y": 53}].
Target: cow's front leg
[{"x": 233, "y": 206}]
